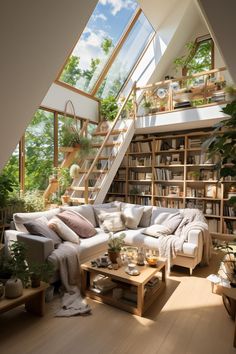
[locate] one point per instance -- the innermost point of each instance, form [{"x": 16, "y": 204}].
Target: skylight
[
  {"x": 97, "y": 42},
  {"x": 127, "y": 57}
]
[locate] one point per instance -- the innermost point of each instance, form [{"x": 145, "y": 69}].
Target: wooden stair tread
[
  {"x": 80, "y": 200},
  {"x": 114, "y": 132},
  {"x": 107, "y": 144},
  {"x": 94, "y": 171},
  {"x": 68, "y": 148},
  {"x": 101, "y": 158},
  {"x": 91, "y": 189}
]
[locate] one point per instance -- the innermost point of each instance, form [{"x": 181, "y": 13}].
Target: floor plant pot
[
  {"x": 35, "y": 281},
  {"x": 13, "y": 288},
  {"x": 113, "y": 255}
]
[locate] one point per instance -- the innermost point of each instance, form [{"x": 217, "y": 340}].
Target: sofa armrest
[
  {"x": 38, "y": 247},
  {"x": 194, "y": 236}
]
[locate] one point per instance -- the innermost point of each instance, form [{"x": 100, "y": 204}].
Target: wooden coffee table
[
  {"x": 145, "y": 296},
  {"x": 33, "y": 298}
]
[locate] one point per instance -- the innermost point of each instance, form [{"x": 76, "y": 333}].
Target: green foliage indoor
[
  {"x": 6, "y": 187},
  {"x": 116, "y": 242},
  {"x": 109, "y": 108}
]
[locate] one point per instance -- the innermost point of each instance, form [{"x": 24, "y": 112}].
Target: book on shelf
[
  {"x": 229, "y": 227},
  {"x": 168, "y": 191},
  {"x": 117, "y": 187},
  {"x": 140, "y": 161},
  {"x": 141, "y": 147},
  {"x": 133, "y": 175},
  {"x": 213, "y": 225},
  {"x": 136, "y": 199},
  {"x": 140, "y": 189},
  {"x": 167, "y": 203},
  {"x": 195, "y": 204},
  {"x": 194, "y": 142},
  {"x": 228, "y": 210}
]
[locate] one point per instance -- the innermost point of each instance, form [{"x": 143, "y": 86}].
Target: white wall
[
  {"x": 194, "y": 118},
  {"x": 57, "y": 96},
  {"x": 35, "y": 37}
]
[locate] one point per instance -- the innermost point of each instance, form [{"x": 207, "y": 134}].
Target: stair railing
[{"x": 95, "y": 161}]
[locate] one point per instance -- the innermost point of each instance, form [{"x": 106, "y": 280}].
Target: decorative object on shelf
[
  {"x": 161, "y": 92},
  {"x": 232, "y": 192},
  {"x": 230, "y": 91},
  {"x": 209, "y": 208},
  {"x": 114, "y": 246},
  {"x": 13, "y": 288},
  {"x": 147, "y": 104}
]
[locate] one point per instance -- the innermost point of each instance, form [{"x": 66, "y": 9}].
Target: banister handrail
[
  {"x": 107, "y": 137},
  {"x": 182, "y": 78}
]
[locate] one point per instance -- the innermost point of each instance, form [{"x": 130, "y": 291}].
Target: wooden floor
[{"x": 187, "y": 318}]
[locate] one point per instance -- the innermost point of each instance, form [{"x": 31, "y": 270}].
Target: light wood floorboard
[{"x": 186, "y": 319}]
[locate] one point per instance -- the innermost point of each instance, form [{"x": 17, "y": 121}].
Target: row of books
[
  {"x": 201, "y": 159},
  {"x": 229, "y": 227},
  {"x": 117, "y": 187},
  {"x": 163, "y": 174},
  {"x": 141, "y": 146},
  {"x": 228, "y": 210},
  {"x": 195, "y": 204},
  {"x": 140, "y": 175},
  {"x": 195, "y": 142},
  {"x": 169, "y": 191},
  {"x": 136, "y": 199},
  {"x": 140, "y": 189},
  {"x": 213, "y": 225},
  {"x": 172, "y": 159},
  {"x": 167, "y": 203}
]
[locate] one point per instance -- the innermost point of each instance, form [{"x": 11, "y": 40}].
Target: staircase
[{"x": 97, "y": 173}]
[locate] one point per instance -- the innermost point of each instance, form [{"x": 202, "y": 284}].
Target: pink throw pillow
[{"x": 78, "y": 223}]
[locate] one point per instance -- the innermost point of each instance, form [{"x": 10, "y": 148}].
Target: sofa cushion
[
  {"x": 147, "y": 213},
  {"x": 156, "y": 211},
  {"x": 98, "y": 210},
  {"x": 20, "y": 218},
  {"x": 85, "y": 210},
  {"x": 156, "y": 230},
  {"x": 79, "y": 224},
  {"x": 173, "y": 221},
  {"x": 138, "y": 239},
  {"x": 111, "y": 222},
  {"x": 132, "y": 216},
  {"x": 39, "y": 227},
  {"x": 64, "y": 231}
]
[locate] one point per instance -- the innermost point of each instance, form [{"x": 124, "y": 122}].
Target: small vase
[
  {"x": 13, "y": 288},
  {"x": 113, "y": 256},
  {"x": 35, "y": 281}
]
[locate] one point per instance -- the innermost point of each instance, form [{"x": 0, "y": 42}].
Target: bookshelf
[{"x": 172, "y": 171}]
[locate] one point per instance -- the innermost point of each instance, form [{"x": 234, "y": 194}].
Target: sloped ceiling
[
  {"x": 220, "y": 19},
  {"x": 36, "y": 37}
]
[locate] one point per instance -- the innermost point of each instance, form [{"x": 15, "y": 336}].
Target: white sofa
[{"x": 41, "y": 248}]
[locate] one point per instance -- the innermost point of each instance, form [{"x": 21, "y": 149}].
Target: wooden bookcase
[{"x": 172, "y": 171}]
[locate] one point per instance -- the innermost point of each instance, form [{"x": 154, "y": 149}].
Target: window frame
[{"x": 107, "y": 66}]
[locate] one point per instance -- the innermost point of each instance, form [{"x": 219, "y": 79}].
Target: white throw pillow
[
  {"x": 63, "y": 230},
  {"x": 99, "y": 211},
  {"x": 157, "y": 230},
  {"x": 133, "y": 216},
  {"x": 111, "y": 222}
]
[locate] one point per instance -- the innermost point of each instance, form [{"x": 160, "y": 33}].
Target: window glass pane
[
  {"x": 127, "y": 57},
  {"x": 97, "y": 41},
  {"x": 39, "y": 150},
  {"x": 202, "y": 59}
]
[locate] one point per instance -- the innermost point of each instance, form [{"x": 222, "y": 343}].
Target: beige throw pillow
[
  {"x": 133, "y": 216},
  {"x": 111, "y": 222},
  {"x": 157, "y": 230},
  {"x": 63, "y": 230},
  {"x": 98, "y": 211}
]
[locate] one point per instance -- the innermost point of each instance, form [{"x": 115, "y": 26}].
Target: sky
[{"x": 109, "y": 20}]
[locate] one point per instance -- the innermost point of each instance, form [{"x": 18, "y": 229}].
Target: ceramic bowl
[{"x": 152, "y": 260}]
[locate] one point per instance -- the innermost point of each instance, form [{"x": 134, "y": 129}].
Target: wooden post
[
  {"x": 135, "y": 100},
  {"x": 55, "y": 136}
]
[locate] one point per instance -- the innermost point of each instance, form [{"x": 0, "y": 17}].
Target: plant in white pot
[{"x": 19, "y": 270}]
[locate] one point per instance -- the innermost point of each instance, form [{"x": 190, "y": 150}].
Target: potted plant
[
  {"x": 230, "y": 91},
  {"x": 147, "y": 104},
  {"x": 6, "y": 187},
  {"x": 114, "y": 246},
  {"x": 109, "y": 108},
  {"x": 195, "y": 175},
  {"x": 19, "y": 271},
  {"x": 40, "y": 272}
]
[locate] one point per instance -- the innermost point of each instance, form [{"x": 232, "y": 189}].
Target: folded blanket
[{"x": 69, "y": 268}]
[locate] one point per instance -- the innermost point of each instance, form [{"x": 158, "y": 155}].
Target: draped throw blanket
[
  {"x": 170, "y": 245},
  {"x": 66, "y": 256}
]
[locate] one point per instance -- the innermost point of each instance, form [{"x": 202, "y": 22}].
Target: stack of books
[{"x": 218, "y": 96}]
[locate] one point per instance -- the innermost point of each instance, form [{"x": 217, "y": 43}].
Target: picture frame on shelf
[{"x": 210, "y": 191}]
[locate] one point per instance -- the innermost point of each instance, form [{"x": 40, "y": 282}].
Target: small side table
[{"x": 33, "y": 298}]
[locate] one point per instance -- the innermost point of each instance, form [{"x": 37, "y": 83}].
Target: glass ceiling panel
[
  {"x": 127, "y": 57},
  {"x": 97, "y": 42}
]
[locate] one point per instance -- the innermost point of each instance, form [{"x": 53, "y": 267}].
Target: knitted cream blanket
[{"x": 69, "y": 268}]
